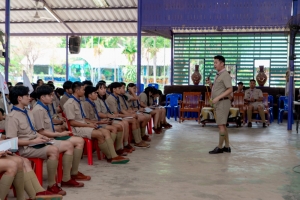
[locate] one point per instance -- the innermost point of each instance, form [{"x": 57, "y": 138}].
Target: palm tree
[
  {"x": 130, "y": 49},
  {"x": 150, "y": 44}
]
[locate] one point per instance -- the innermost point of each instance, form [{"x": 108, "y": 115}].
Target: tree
[{"x": 130, "y": 49}]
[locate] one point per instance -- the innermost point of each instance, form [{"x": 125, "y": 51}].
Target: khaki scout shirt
[
  {"x": 89, "y": 111},
  {"x": 143, "y": 98},
  {"x": 17, "y": 125},
  {"x": 9, "y": 106},
  {"x": 253, "y": 93},
  {"x": 63, "y": 100},
  {"x": 221, "y": 84},
  {"x": 51, "y": 109},
  {"x": 123, "y": 103},
  {"x": 101, "y": 106},
  {"x": 32, "y": 104},
  {"x": 41, "y": 118},
  {"x": 56, "y": 100},
  {"x": 72, "y": 110},
  {"x": 112, "y": 104}
]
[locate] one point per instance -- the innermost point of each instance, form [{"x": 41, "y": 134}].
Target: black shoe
[
  {"x": 216, "y": 151},
  {"x": 227, "y": 149},
  {"x": 264, "y": 125},
  {"x": 249, "y": 124}
]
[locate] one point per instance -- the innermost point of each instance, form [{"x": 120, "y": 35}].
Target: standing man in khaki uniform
[
  {"x": 68, "y": 93},
  {"x": 20, "y": 123},
  {"x": 254, "y": 97},
  {"x": 88, "y": 129},
  {"x": 45, "y": 126},
  {"x": 221, "y": 89}
]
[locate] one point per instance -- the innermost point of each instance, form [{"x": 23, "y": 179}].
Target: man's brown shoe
[
  {"x": 121, "y": 152},
  {"x": 249, "y": 124},
  {"x": 128, "y": 146},
  {"x": 55, "y": 189},
  {"x": 71, "y": 183},
  {"x": 146, "y": 138},
  {"x": 142, "y": 144},
  {"x": 119, "y": 160},
  {"x": 157, "y": 130},
  {"x": 46, "y": 195},
  {"x": 80, "y": 177}
]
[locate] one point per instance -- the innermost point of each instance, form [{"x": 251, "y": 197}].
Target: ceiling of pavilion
[{"x": 78, "y": 16}]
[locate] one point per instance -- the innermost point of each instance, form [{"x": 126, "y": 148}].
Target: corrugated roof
[{"x": 80, "y": 16}]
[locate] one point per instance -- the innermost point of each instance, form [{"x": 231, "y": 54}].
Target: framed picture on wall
[
  {"x": 232, "y": 71},
  {"x": 194, "y": 70},
  {"x": 262, "y": 72}
]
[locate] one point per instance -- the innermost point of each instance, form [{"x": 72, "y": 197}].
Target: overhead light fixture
[
  {"x": 54, "y": 15},
  {"x": 101, "y": 3}
]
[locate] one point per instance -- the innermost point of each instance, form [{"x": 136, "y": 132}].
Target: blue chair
[
  {"x": 271, "y": 104},
  {"x": 285, "y": 101},
  {"x": 155, "y": 85},
  {"x": 172, "y": 105},
  {"x": 141, "y": 87}
]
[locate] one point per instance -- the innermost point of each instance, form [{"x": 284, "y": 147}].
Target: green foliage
[
  {"x": 130, "y": 75},
  {"x": 130, "y": 48}
]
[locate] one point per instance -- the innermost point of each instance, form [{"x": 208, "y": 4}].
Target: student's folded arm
[{"x": 49, "y": 134}]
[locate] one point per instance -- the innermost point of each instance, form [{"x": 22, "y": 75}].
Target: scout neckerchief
[
  {"x": 78, "y": 101},
  {"x": 94, "y": 106},
  {"x": 106, "y": 106},
  {"x": 217, "y": 76},
  {"x": 69, "y": 96},
  {"x": 48, "y": 111},
  {"x": 53, "y": 109},
  {"x": 118, "y": 101},
  {"x": 7, "y": 101},
  {"x": 26, "y": 113},
  {"x": 124, "y": 101}
]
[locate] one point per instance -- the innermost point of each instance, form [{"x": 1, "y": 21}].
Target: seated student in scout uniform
[
  {"x": 44, "y": 125},
  {"x": 104, "y": 112},
  {"x": 67, "y": 94},
  {"x": 18, "y": 171},
  {"x": 32, "y": 100},
  {"x": 58, "y": 93},
  {"x": 20, "y": 123},
  {"x": 254, "y": 97},
  {"x": 92, "y": 114},
  {"x": 146, "y": 99},
  {"x": 114, "y": 103},
  {"x": 240, "y": 89},
  {"x": 87, "y": 128},
  {"x": 86, "y": 83},
  {"x": 126, "y": 104}
]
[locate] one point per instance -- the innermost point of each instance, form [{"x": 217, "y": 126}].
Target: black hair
[
  {"x": 130, "y": 85},
  {"x": 43, "y": 90},
  {"x": 114, "y": 85},
  {"x": 50, "y": 82},
  {"x": 16, "y": 92},
  {"x": 89, "y": 90},
  {"x": 76, "y": 85},
  {"x": 159, "y": 92},
  {"x": 102, "y": 81},
  {"x": 33, "y": 95},
  {"x": 60, "y": 91},
  {"x": 122, "y": 83},
  {"x": 51, "y": 85},
  {"x": 240, "y": 83},
  {"x": 37, "y": 82},
  {"x": 253, "y": 80},
  {"x": 99, "y": 85},
  {"x": 87, "y": 82},
  {"x": 19, "y": 84},
  {"x": 146, "y": 91},
  {"x": 9, "y": 84},
  {"x": 67, "y": 85},
  {"x": 220, "y": 58},
  {"x": 34, "y": 86}
]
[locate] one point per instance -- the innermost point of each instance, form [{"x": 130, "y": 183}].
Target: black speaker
[{"x": 74, "y": 44}]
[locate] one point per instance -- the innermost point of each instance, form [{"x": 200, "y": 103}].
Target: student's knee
[
  {"x": 11, "y": 167},
  {"x": 53, "y": 151},
  {"x": 106, "y": 133},
  {"x": 26, "y": 162},
  {"x": 67, "y": 145}
]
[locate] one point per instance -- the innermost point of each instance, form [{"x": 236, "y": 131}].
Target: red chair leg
[
  {"x": 59, "y": 169},
  {"x": 149, "y": 127},
  {"x": 38, "y": 169},
  {"x": 89, "y": 150},
  {"x": 130, "y": 134},
  {"x": 96, "y": 146}
]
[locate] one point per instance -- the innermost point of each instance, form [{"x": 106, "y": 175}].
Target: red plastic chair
[
  {"x": 149, "y": 127},
  {"x": 37, "y": 165},
  {"x": 59, "y": 169}
]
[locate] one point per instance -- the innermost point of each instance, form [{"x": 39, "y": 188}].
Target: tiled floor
[{"x": 178, "y": 166}]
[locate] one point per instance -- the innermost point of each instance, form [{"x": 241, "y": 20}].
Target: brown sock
[
  {"x": 143, "y": 131},
  {"x": 19, "y": 184},
  {"x": 249, "y": 115},
  {"x": 111, "y": 148},
  {"x": 262, "y": 115},
  {"x": 5, "y": 184},
  {"x": 28, "y": 187},
  {"x": 51, "y": 170},
  {"x": 104, "y": 148},
  {"x": 137, "y": 136},
  {"x": 119, "y": 140},
  {"x": 221, "y": 139},
  {"x": 113, "y": 136},
  {"x": 76, "y": 160},
  {"x": 35, "y": 182},
  {"x": 67, "y": 165},
  {"x": 226, "y": 138}
]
